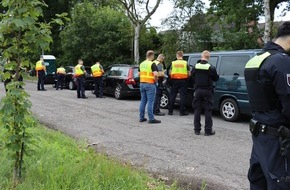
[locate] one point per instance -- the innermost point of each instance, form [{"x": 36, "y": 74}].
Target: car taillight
[{"x": 130, "y": 79}]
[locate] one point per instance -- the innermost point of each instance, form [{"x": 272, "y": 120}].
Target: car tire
[
  {"x": 118, "y": 92},
  {"x": 72, "y": 85},
  {"x": 164, "y": 101},
  {"x": 229, "y": 110}
]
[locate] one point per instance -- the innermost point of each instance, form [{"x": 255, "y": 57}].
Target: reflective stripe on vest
[
  {"x": 200, "y": 66},
  {"x": 256, "y": 61},
  {"x": 146, "y": 74},
  {"x": 96, "y": 70},
  {"x": 179, "y": 70},
  {"x": 160, "y": 73},
  {"x": 79, "y": 71},
  {"x": 61, "y": 70},
  {"x": 39, "y": 66}
]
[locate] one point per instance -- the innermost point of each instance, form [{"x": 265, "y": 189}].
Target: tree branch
[
  {"x": 128, "y": 7},
  {"x": 150, "y": 13}
]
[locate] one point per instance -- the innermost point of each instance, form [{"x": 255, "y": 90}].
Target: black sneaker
[
  {"x": 197, "y": 133},
  {"x": 159, "y": 114},
  {"x": 84, "y": 97},
  {"x": 209, "y": 134},
  {"x": 170, "y": 113},
  {"x": 142, "y": 120},
  {"x": 154, "y": 121},
  {"x": 183, "y": 114}
]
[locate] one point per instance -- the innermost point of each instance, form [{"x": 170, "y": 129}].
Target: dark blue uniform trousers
[
  {"x": 267, "y": 165},
  {"x": 181, "y": 87},
  {"x": 41, "y": 78},
  {"x": 81, "y": 87},
  {"x": 98, "y": 86},
  {"x": 60, "y": 81},
  {"x": 203, "y": 98}
]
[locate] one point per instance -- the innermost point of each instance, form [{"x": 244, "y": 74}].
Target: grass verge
[{"x": 58, "y": 162}]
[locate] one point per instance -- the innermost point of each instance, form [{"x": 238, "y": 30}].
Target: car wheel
[
  {"x": 164, "y": 101},
  {"x": 71, "y": 85},
  {"x": 229, "y": 110},
  {"x": 118, "y": 92}
]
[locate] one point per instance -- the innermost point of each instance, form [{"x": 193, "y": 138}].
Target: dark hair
[{"x": 284, "y": 30}]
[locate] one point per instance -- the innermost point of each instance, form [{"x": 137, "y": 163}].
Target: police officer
[
  {"x": 80, "y": 77},
  {"x": 60, "y": 72},
  {"x": 40, "y": 73},
  {"x": 179, "y": 73},
  {"x": 267, "y": 78},
  {"x": 203, "y": 75},
  {"x": 148, "y": 79},
  {"x": 159, "y": 89},
  {"x": 98, "y": 72}
]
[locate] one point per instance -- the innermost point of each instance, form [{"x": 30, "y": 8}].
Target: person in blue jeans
[{"x": 148, "y": 80}]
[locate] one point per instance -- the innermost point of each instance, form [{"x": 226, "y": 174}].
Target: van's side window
[
  {"x": 213, "y": 60},
  {"x": 233, "y": 65}
]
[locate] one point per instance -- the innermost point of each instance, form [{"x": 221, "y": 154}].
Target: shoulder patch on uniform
[{"x": 288, "y": 79}]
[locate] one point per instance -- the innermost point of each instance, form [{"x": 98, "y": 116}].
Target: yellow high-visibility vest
[
  {"x": 39, "y": 66},
  {"x": 146, "y": 74},
  {"x": 96, "y": 70},
  {"x": 60, "y": 70},
  {"x": 79, "y": 71},
  {"x": 179, "y": 70}
]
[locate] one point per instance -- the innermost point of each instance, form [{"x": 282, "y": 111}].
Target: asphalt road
[{"x": 170, "y": 148}]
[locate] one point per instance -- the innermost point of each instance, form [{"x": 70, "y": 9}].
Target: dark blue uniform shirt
[{"x": 276, "y": 71}]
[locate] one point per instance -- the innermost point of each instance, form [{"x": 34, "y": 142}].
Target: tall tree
[
  {"x": 235, "y": 23},
  {"x": 134, "y": 12},
  {"x": 96, "y": 33},
  {"x": 268, "y": 22}
]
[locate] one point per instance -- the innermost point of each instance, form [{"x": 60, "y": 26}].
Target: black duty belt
[{"x": 256, "y": 128}]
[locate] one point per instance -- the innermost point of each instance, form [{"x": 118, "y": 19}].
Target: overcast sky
[{"x": 166, "y": 8}]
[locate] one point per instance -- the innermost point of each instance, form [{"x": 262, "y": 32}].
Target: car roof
[
  {"x": 251, "y": 51},
  {"x": 124, "y": 65}
]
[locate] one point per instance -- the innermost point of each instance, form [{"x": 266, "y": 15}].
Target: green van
[
  {"x": 49, "y": 61},
  {"x": 231, "y": 97}
]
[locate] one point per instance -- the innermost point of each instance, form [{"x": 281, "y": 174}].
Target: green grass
[{"x": 60, "y": 163}]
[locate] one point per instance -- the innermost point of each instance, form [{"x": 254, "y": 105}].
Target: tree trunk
[
  {"x": 268, "y": 22},
  {"x": 137, "y": 29}
]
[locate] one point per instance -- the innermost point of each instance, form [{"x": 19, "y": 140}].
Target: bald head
[{"x": 205, "y": 55}]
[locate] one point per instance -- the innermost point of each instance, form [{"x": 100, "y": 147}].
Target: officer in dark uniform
[
  {"x": 267, "y": 77},
  {"x": 159, "y": 89},
  {"x": 204, "y": 74},
  {"x": 179, "y": 73}
]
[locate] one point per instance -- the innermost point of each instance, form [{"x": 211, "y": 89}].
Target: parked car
[
  {"x": 69, "y": 81},
  {"x": 231, "y": 97},
  {"x": 122, "y": 81}
]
